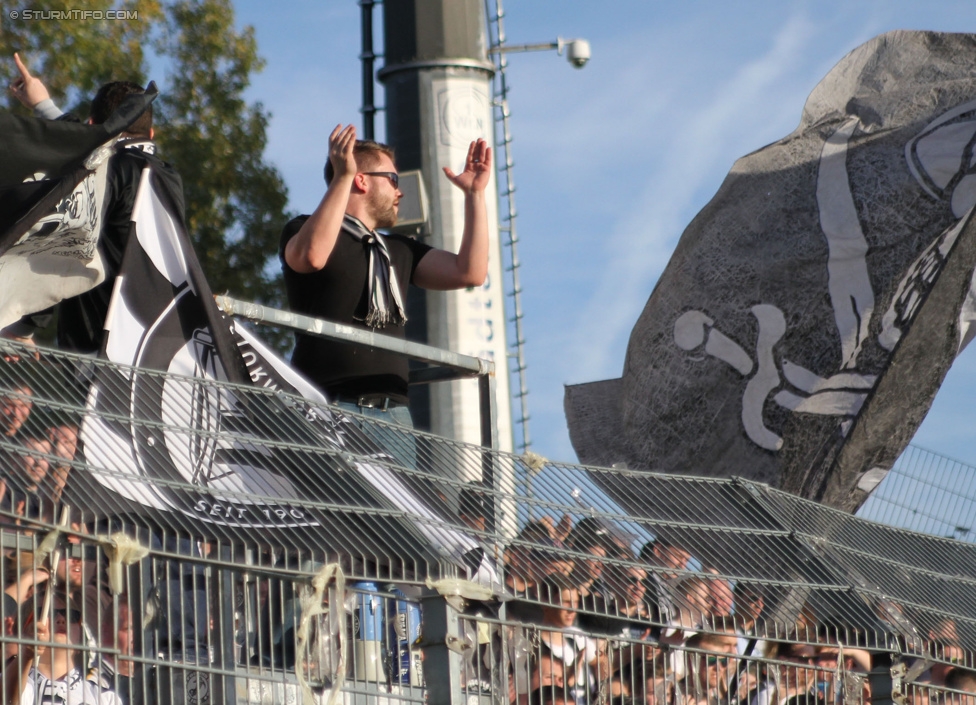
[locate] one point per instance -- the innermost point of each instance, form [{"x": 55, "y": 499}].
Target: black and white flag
[
  {"x": 264, "y": 457},
  {"x": 52, "y": 182},
  {"x": 812, "y": 309}
]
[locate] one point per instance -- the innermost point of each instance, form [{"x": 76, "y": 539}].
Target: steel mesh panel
[{"x": 839, "y": 573}]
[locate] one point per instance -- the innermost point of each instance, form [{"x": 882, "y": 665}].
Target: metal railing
[
  {"x": 265, "y": 548},
  {"x": 927, "y": 492},
  {"x": 443, "y": 365},
  {"x": 211, "y": 631}
]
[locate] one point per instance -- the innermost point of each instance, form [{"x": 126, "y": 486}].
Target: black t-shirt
[
  {"x": 337, "y": 292},
  {"x": 81, "y": 318}
]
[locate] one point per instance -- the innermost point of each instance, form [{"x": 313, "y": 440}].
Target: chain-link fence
[
  {"x": 926, "y": 492},
  {"x": 172, "y": 539}
]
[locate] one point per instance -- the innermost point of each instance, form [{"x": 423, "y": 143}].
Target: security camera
[{"x": 577, "y": 51}]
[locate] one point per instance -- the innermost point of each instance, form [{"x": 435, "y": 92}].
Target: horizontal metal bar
[
  {"x": 519, "y": 48},
  {"x": 11, "y": 537},
  {"x": 471, "y": 64},
  {"x": 355, "y": 336},
  {"x": 429, "y": 375}
]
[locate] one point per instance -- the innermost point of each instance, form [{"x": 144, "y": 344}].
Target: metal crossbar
[{"x": 443, "y": 365}]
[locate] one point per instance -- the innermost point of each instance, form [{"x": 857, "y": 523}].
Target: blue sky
[{"x": 614, "y": 160}]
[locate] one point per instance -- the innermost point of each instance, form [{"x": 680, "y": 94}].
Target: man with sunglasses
[{"x": 338, "y": 267}]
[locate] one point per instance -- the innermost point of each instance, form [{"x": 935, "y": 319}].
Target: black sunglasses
[{"x": 391, "y": 175}]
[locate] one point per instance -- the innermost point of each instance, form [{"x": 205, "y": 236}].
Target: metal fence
[
  {"x": 926, "y": 492},
  {"x": 169, "y": 539}
]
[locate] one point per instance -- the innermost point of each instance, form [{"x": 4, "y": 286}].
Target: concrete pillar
[{"x": 438, "y": 99}]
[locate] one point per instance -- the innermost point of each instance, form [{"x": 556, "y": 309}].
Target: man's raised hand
[
  {"x": 477, "y": 169},
  {"x": 342, "y": 141},
  {"x": 28, "y": 89}
]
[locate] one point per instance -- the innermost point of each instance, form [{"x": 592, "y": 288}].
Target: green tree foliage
[
  {"x": 204, "y": 125},
  {"x": 235, "y": 202},
  {"x": 75, "y": 56}
]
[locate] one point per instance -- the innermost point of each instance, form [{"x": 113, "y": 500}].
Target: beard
[{"x": 382, "y": 211}]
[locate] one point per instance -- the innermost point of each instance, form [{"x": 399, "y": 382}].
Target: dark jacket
[{"x": 81, "y": 318}]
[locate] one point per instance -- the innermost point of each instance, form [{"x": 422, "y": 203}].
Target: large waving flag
[
  {"x": 52, "y": 184},
  {"x": 812, "y": 309},
  {"x": 175, "y": 441}
]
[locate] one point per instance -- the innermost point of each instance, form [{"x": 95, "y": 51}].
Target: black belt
[{"x": 371, "y": 401}]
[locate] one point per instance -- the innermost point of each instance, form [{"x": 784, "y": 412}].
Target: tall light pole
[
  {"x": 438, "y": 99},
  {"x": 367, "y": 56},
  {"x": 438, "y": 80}
]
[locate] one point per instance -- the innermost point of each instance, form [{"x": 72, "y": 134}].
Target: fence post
[
  {"x": 442, "y": 664},
  {"x": 225, "y": 689},
  {"x": 880, "y": 678},
  {"x": 489, "y": 441},
  {"x": 489, "y": 411}
]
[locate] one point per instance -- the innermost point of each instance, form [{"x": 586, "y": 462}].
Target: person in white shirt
[
  {"x": 53, "y": 672},
  {"x": 584, "y": 658}
]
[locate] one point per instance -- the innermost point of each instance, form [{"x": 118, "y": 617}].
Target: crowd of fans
[
  {"x": 595, "y": 619},
  {"x": 66, "y": 639},
  {"x": 64, "y": 629},
  {"x": 40, "y": 446},
  {"x": 600, "y": 622}
]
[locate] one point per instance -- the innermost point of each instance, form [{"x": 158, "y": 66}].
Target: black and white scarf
[
  {"x": 382, "y": 287},
  {"x": 72, "y": 689}
]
